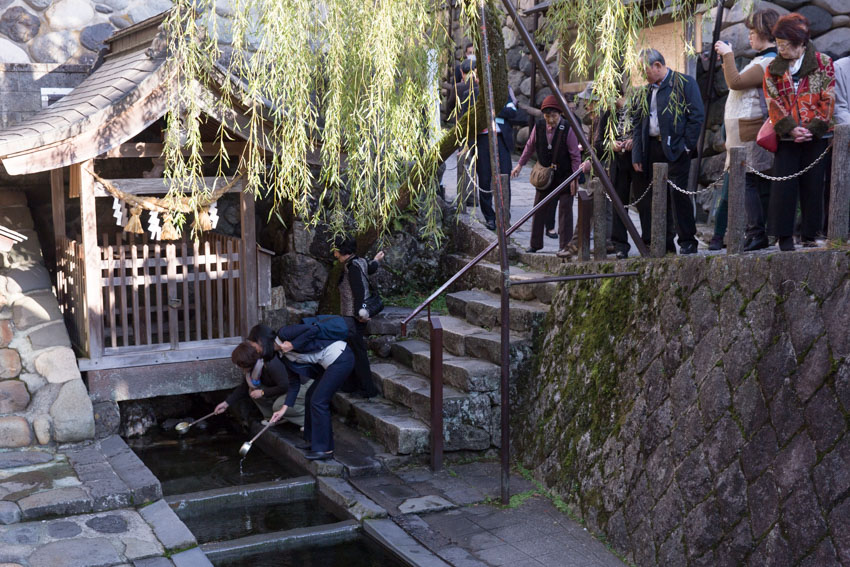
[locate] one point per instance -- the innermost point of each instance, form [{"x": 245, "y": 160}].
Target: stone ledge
[
  {"x": 168, "y": 528},
  {"x": 143, "y": 485},
  {"x": 57, "y": 502},
  {"x": 349, "y": 499}
]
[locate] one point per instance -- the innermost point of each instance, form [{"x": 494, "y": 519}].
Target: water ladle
[
  {"x": 246, "y": 446},
  {"x": 184, "y": 426}
]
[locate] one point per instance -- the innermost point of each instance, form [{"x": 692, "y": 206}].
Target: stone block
[
  {"x": 714, "y": 396},
  {"x": 6, "y": 332},
  {"x": 9, "y": 513},
  {"x": 786, "y": 414},
  {"x": 54, "y": 47},
  {"x": 14, "y": 459},
  {"x": 69, "y": 14},
  {"x": 825, "y": 421},
  {"x": 56, "y": 502},
  {"x": 303, "y": 276},
  {"x": 13, "y": 396},
  {"x": 341, "y": 493},
  {"x": 35, "y": 309},
  {"x": 794, "y": 463},
  {"x": 820, "y": 21},
  {"x": 109, "y": 494},
  {"x": 834, "y": 7},
  {"x": 722, "y": 443},
  {"x": 802, "y": 519},
  {"x": 832, "y": 475},
  {"x": 51, "y": 335},
  {"x": 93, "y": 37},
  {"x": 773, "y": 550},
  {"x": 731, "y": 495},
  {"x": 836, "y": 313},
  {"x": 41, "y": 428},
  {"x": 107, "y": 419},
  {"x": 191, "y": 558},
  {"x": 168, "y": 528},
  {"x": 58, "y": 365},
  {"x": 702, "y": 528},
  {"x": 19, "y": 24},
  {"x": 839, "y": 524},
  {"x": 835, "y": 41},
  {"x": 824, "y": 554},
  {"x": 25, "y": 280},
  {"x": 750, "y": 406},
  {"x": 763, "y": 500},
  {"x": 113, "y": 445},
  {"x": 10, "y": 363},
  {"x": 757, "y": 454},
  {"x": 73, "y": 418},
  {"x": 694, "y": 478},
  {"x": 841, "y": 21},
  {"x": 813, "y": 370},
  {"x": 668, "y": 514},
  {"x": 34, "y": 382},
  {"x": 135, "y": 548},
  {"x": 153, "y": 562},
  {"x": 82, "y": 552},
  {"x": 143, "y": 485},
  {"x": 14, "y": 432}
]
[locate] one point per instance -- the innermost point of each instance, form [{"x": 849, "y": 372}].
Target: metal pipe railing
[{"x": 436, "y": 337}]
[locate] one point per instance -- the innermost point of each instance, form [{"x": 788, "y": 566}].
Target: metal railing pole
[
  {"x": 600, "y": 221},
  {"x": 839, "y": 200},
  {"x": 436, "y": 338},
  {"x": 658, "y": 244},
  {"x": 737, "y": 211},
  {"x": 598, "y": 167}
]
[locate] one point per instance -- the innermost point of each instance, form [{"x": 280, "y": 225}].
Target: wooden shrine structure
[{"x": 147, "y": 317}]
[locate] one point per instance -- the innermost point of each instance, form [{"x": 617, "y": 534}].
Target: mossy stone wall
[{"x": 697, "y": 414}]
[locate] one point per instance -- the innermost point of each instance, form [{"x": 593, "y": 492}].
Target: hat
[
  {"x": 550, "y": 102},
  {"x": 467, "y": 65},
  {"x": 587, "y": 93}
]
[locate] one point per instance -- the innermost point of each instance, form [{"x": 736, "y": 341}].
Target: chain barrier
[
  {"x": 793, "y": 175},
  {"x": 636, "y": 201},
  {"x": 706, "y": 189}
]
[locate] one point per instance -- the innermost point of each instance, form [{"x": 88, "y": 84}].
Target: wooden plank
[
  {"x": 160, "y": 323},
  {"x": 153, "y": 150},
  {"x": 231, "y": 298},
  {"x": 171, "y": 298},
  {"x": 219, "y": 288},
  {"x": 147, "y": 294},
  {"x": 248, "y": 261},
  {"x": 136, "y": 311},
  {"x": 57, "y": 201},
  {"x": 92, "y": 256},
  {"x": 199, "y": 305},
  {"x": 208, "y": 298},
  {"x": 155, "y": 186},
  {"x": 158, "y": 354},
  {"x": 123, "y": 308},
  {"x": 185, "y": 298},
  {"x": 110, "y": 284}
]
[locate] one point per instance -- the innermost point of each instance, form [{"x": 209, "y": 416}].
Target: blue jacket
[{"x": 678, "y": 133}]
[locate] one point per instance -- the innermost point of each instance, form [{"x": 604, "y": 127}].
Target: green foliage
[{"x": 413, "y": 299}]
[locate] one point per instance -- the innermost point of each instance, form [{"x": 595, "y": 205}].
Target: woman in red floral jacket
[{"x": 798, "y": 87}]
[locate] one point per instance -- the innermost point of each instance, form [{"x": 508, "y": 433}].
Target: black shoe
[
  {"x": 304, "y": 446},
  {"x": 531, "y": 250},
  {"x": 319, "y": 455},
  {"x": 491, "y": 224},
  {"x": 715, "y": 244},
  {"x": 786, "y": 243},
  {"x": 688, "y": 248},
  {"x": 622, "y": 254},
  {"x": 553, "y": 235},
  {"x": 756, "y": 243}
]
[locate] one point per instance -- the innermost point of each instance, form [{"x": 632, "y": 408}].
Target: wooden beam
[
  {"x": 248, "y": 281},
  {"x": 154, "y": 186},
  {"x": 154, "y": 150},
  {"x": 57, "y": 200},
  {"x": 92, "y": 257}
]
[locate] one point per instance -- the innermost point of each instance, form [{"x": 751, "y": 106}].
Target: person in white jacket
[{"x": 842, "y": 91}]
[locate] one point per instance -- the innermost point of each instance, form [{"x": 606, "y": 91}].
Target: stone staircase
[{"x": 400, "y": 418}]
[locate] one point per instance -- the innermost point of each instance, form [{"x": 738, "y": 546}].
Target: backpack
[{"x": 331, "y": 327}]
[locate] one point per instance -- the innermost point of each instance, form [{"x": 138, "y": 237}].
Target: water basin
[
  {"x": 360, "y": 552},
  {"x": 205, "y": 459}
]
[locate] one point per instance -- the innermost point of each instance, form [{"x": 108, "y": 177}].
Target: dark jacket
[
  {"x": 303, "y": 339},
  {"x": 677, "y": 94},
  {"x": 264, "y": 335},
  {"x": 274, "y": 378},
  {"x": 547, "y": 157},
  {"x": 357, "y": 281}
]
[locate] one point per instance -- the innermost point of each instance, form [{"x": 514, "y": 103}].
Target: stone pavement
[{"x": 87, "y": 505}]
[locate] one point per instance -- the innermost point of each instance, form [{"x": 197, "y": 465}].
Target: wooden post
[
  {"x": 585, "y": 212},
  {"x": 172, "y": 301},
  {"x": 600, "y": 221},
  {"x": 506, "y": 199},
  {"x": 737, "y": 210},
  {"x": 249, "y": 261},
  {"x": 91, "y": 255},
  {"x": 658, "y": 246},
  {"x": 57, "y": 200},
  {"x": 839, "y": 200},
  {"x": 464, "y": 180}
]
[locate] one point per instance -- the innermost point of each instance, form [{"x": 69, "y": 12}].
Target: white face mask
[{"x": 471, "y": 57}]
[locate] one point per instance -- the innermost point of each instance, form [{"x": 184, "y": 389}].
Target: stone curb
[
  {"x": 191, "y": 558},
  {"x": 168, "y": 528},
  {"x": 269, "y": 493},
  {"x": 349, "y": 499},
  {"x": 56, "y": 502},
  {"x": 143, "y": 485},
  {"x": 391, "y": 536}
]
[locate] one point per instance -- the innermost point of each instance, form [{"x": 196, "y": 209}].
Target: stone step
[
  {"x": 484, "y": 309},
  {"x": 471, "y": 237},
  {"x": 464, "y": 373},
  {"x": 542, "y": 261},
  {"x": 488, "y": 276},
  {"x": 462, "y": 338},
  {"x": 392, "y": 425}
]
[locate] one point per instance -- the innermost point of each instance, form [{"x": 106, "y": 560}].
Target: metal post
[
  {"x": 506, "y": 198},
  {"x": 436, "y": 394},
  {"x": 659, "y": 210},
  {"x": 503, "y": 254},
  {"x": 600, "y": 221},
  {"x": 598, "y": 167},
  {"x": 585, "y": 211},
  {"x": 839, "y": 200},
  {"x": 737, "y": 210}
]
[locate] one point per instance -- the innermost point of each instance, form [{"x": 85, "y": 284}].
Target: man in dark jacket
[
  {"x": 266, "y": 378},
  {"x": 667, "y": 128}
]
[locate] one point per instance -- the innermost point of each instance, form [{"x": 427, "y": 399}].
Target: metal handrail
[{"x": 427, "y": 303}]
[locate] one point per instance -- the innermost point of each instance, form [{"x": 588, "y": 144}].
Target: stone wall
[
  {"x": 42, "y": 395},
  {"x": 697, "y": 414}
]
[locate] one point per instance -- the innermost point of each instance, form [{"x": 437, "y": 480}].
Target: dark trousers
[
  {"x": 792, "y": 157},
  {"x": 485, "y": 172},
  {"x": 623, "y": 177},
  {"x": 361, "y": 379},
  {"x": 317, "y": 419},
  {"x": 756, "y": 202},
  {"x": 564, "y": 202},
  {"x": 680, "y": 206}
]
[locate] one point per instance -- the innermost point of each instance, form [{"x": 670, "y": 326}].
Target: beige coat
[{"x": 744, "y": 103}]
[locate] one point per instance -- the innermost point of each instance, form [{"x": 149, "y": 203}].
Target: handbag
[
  {"x": 542, "y": 176},
  {"x": 373, "y": 304},
  {"x": 767, "y": 137}
]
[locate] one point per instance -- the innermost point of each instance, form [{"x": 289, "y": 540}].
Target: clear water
[
  {"x": 205, "y": 459},
  {"x": 257, "y": 518},
  {"x": 359, "y": 553}
]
